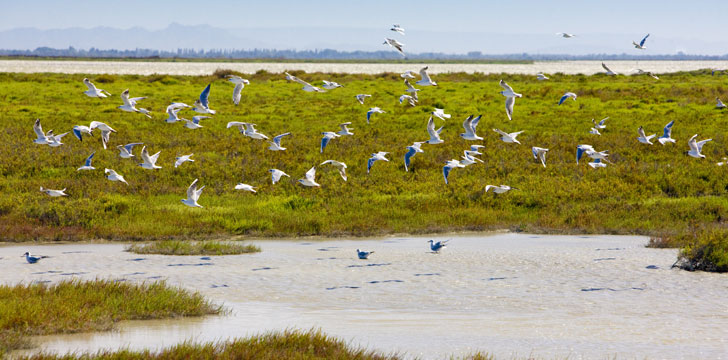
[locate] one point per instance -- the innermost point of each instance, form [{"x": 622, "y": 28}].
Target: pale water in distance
[
  {"x": 575, "y": 297},
  {"x": 202, "y": 68}
]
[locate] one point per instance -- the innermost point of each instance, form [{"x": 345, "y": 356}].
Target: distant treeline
[{"x": 330, "y": 54}]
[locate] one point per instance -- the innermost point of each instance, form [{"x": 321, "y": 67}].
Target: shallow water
[
  {"x": 202, "y": 68},
  {"x": 591, "y": 297}
]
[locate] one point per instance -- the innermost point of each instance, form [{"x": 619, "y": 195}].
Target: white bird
[
  {"x": 594, "y": 131},
  {"x": 54, "y": 140},
  {"x": 425, "y": 81},
  {"x": 476, "y": 148},
  {"x": 451, "y": 164},
  {"x": 395, "y": 44},
  {"x": 149, "y": 162},
  {"x": 306, "y": 86},
  {"x": 363, "y": 254},
  {"x": 581, "y": 150},
  {"x": 360, "y": 98},
  {"x": 246, "y": 187},
  {"x": 667, "y": 134},
  {"x": 434, "y": 134},
  {"x": 410, "y": 100},
  {"x": 338, "y": 165},
  {"x": 566, "y": 35},
  {"x": 641, "y": 45},
  {"x": 330, "y": 85},
  {"x": 239, "y": 85},
  {"x": 87, "y": 164},
  {"x": 173, "y": 110},
  {"x": 41, "y": 137},
  {"x": 397, "y": 28},
  {"x": 194, "y": 124},
  {"x": 114, "y": 176},
  {"x": 53, "y": 193},
  {"x": 409, "y": 74},
  {"x": 202, "y": 105},
  {"x": 642, "y": 72},
  {"x": 510, "y": 98},
  {"x": 193, "y": 194},
  {"x": 644, "y": 138},
  {"x": 248, "y": 130},
  {"x": 105, "y": 137},
  {"x": 566, "y": 96},
  {"x": 345, "y": 129},
  {"x": 696, "y": 147},
  {"x": 539, "y": 154},
  {"x": 600, "y": 125},
  {"x": 372, "y": 111},
  {"x": 470, "y": 124},
  {"x": 411, "y": 151},
  {"x": 276, "y": 175},
  {"x": 309, "y": 178},
  {"x": 411, "y": 89},
  {"x": 608, "y": 70},
  {"x": 31, "y": 259},
  {"x": 469, "y": 158},
  {"x": 508, "y": 137},
  {"x": 125, "y": 151},
  {"x": 719, "y": 104},
  {"x": 441, "y": 114},
  {"x": 93, "y": 91},
  {"x": 499, "y": 189},
  {"x": 437, "y": 246},
  {"x": 106, "y": 130},
  {"x": 376, "y": 157},
  {"x": 327, "y": 136},
  {"x": 183, "y": 159},
  {"x": 541, "y": 77},
  {"x": 275, "y": 145},
  {"x": 79, "y": 130},
  {"x": 596, "y": 163},
  {"x": 130, "y": 104}
]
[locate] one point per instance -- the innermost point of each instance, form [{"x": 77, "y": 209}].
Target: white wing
[
  {"x": 311, "y": 174},
  {"x": 125, "y": 98},
  {"x": 423, "y": 73},
  {"x": 38, "y": 129},
  {"x": 90, "y": 85},
  {"x": 237, "y": 93},
  {"x": 506, "y": 86},
  {"x": 510, "y": 101},
  {"x": 191, "y": 191}
]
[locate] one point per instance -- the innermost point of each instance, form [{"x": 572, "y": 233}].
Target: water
[
  {"x": 202, "y": 68},
  {"x": 592, "y": 297}
]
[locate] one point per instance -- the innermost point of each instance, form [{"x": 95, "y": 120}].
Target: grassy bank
[
  {"x": 76, "y": 306},
  {"x": 179, "y": 247},
  {"x": 272, "y": 60}
]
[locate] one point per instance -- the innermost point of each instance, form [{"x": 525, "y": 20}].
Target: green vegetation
[
  {"x": 649, "y": 190},
  {"x": 273, "y": 60},
  {"x": 75, "y": 306},
  {"x": 179, "y": 247},
  {"x": 704, "y": 250}
]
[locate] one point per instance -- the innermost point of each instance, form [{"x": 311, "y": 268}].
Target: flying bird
[
  {"x": 696, "y": 147},
  {"x": 508, "y": 137},
  {"x": 376, "y": 157},
  {"x": 566, "y": 35},
  {"x": 372, "y": 111},
  {"x": 719, "y": 104},
  {"x": 397, "y": 28},
  {"x": 411, "y": 89},
  {"x": 239, "y": 85},
  {"x": 410, "y": 100},
  {"x": 566, "y": 96},
  {"x": 195, "y": 123},
  {"x": 425, "y": 81},
  {"x": 667, "y": 134},
  {"x": 451, "y": 164},
  {"x": 125, "y": 151},
  {"x": 510, "y": 98},
  {"x": 79, "y": 130},
  {"x": 55, "y": 140},
  {"x": 644, "y": 138},
  {"x": 345, "y": 129},
  {"x": 246, "y": 187},
  {"x": 114, "y": 176},
  {"x": 173, "y": 110},
  {"x": 53, "y": 193},
  {"x": 149, "y": 162},
  {"x": 309, "y": 178},
  {"x": 275, "y": 145},
  {"x": 327, "y": 136},
  {"x": 541, "y": 77},
  {"x": 93, "y": 91},
  {"x": 539, "y": 154},
  {"x": 395, "y": 44},
  {"x": 276, "y": 175},
  {"x": 183, "y": 159},
  {"x": 193, "y": 194},
  {"x": 641, "y": 45},
  {"x": 409, "y": 74},
  {"x": 106, "y": 130},
  {"x": 499, "y": 189},
  {"x": 441, "y": 114},
  {"x": 202, "y": 105},
  {"x": 339, "y": 166},
  {"x": 597, "y": 163},
  {"x": 331, "y": 85},
  {"x": 608, "y": 70},
  {"x": 594, "y": 131},
  {"x": 130, "y": 104},
  {"x": 434, "y": 134},
  {"x": 306, "y": 86},
  {"x": 360, "y": 98},
  {"x": 600, "y": 125},
  {"x": 470, "y": 124},
  {"x": 411, "y": 151},
  {"x": 41, "y": 137},
  {"x": 87, "y": 164}
]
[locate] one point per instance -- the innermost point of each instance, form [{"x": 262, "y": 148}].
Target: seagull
[
  {"x": 125, "y": 150},
  {"x": 149, "y": 162},
  {"x": 644, "y": 138},
  {"x": 195, "y": 123},
  {"x": 306, "y": 86},
  {"x": 193, "y": 194},
  {"x": 476, "y": 149},
  {"x": 372, "y": 111},
  {"x": 539, "y": 153},
  {"x": 54, "y": 140},
  {"x": 113, "y": 176},
  {"x": 589, "y": 151},
  {"x": 641, "y": 45},
  {"x": 376, "y": 156},
  {"x": 499, "y": 189},
  {"x": 411, "y": 151},
  {"x": 541, "y": 77},
  {"x": 106, "y": 130},
  {"x": 339, "y": 165},
  {"x": 642, "y": 72},
  {"x": 594, "y": 131},
  {"x": 395, "y": 44},
  {"x": 469, "y": 125},
  {"x": 360, "y": 98},
  {"x": 434, "y": 134},
  {"x": 441, "y": 114},
  {"x": 600, "y": 125},
  {"x": 202, "y": 105},
  {"x": 130, "y": 104},
  {"x": 327, "y": 136},
  {"x": 183, "y": 159},
  {"x": 363, "y": 254},
  {"x": 696, "y": 147},
  {"x": 451, "y": 164},
  {"x": 105, "y": 137},
  {"x": 510, "y": 98},
  {"x": 509, "y": 138},
  {"x": 33, "y": 259},
  {"x": 275, "y": 145},
  {"x": 79, "y": 130},
  {"x": 425, "y": 81},
  {"x": 666, "y": 136},
  {"x": 53, "y": 193},
  {"x": 246, "y": 187},
  {"x": 566, "y": 35},
  {"x": 566, "y": 96},
  {"x": 580, "y": 150},
  {"x": 344, "y": 129},
  {"x": 397, "y": 28},
  {"x": 309, "y": 180},
  {"x": 469, "y": 158},
  {"x": 409, "y": 74},
  {"x": 172, "y": 111},
  {"x": 249, "y": 131},
  {"x": 411, "y": 89},
  {"x": 330, "y": 85},
  {"x": 239, "y": 85},
  {"x": 597, "y": 163},
  {"x": 609, "y": 71},
  {"x": 87, "y": 164},
  {"x": 719, "y": 104},
  {"x": 41, "y": 139},
  {"x": 93, "y": 91},
  {"x": 437, "y": 246},
  {"x": 276, "y": 175},
  {"x": 412, "y": 101}
]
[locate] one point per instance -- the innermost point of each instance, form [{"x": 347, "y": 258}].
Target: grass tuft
[{"x": 180, "y": 247}]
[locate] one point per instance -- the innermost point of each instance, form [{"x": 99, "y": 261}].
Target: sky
[{"x": 673, "y": 25}]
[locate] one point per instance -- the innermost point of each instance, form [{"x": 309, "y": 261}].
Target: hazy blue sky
[{"x": 682, "y": 22}]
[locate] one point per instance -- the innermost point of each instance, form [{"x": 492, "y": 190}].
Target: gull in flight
[
  {"x": 239, "y": 85},
  {"x": 566, "y": 35},
  {"x": 434, "y": 134},
  {"x": 79, "y": 130},
  {"x": 331, "y": 85},
  {"x": 667, "y": 134},
  {"x": 345, "y": 129},
  {"x": 360, "y": 98},
  {"x": 644, "y": 138},
  {"x": 372, "y": 111},
  {"x": 363, "y": 254},
  {"x": 183, "y": 159},
  {"x": 275, "y": 145},
  {"x": 476, "y": 149},
  {"x": 339, "y": 166},
  {"x": 425, "y": 81},
  {"x": 642, "y": 72},
  {"x": 193, "y": 194},
  {"x": 306, "y": 86},
  {"x": 566, "y": 96},
  {"x": 411, "y": 151},
  {"x": 327, "y": 136},
  {"x": 510, "y": 98},
  {"x": 541, "y": 77},
  {"x": 594, "y": 131},
  {"x": 469, "y": 125},
  {"x": 580, "y": 150},
  {"x": 589, "y": 151},
  {"x": 309, "y": 179},
  {"x": 641, "y": 45},
  {"x": 395, "y": 44},
  {"x": 31, "y": 259},
  {"x": 55, "y": 140},
  {"x": 41, "y": 139},
  {"x": 409, "y": 74},
  {"x": 375, "y": 157},
  {"x": 397, "y": 28},
  {"x": 93, "y": 91},
  {"x": 195, "y": 123},
  {"x": 441, "y": 114},
  {"x": 499, "y": 189},
  {"x": 125, "y": 150},
  {"x": 508, "y": 137},
  {"x": 114, "y": 176},
  {"x": 608, "y": 70},
  {"x": 246, "y": 187},
  {"x": 451, "y": 164},
  {"x": 411, "y": 89},
  {"x": 247, "y": 129},
  {"x": 596, "y": 163},
  {"x": 696, "y": 147},
  {"x": 719, "y": 104},
  {"x": 130, "y": 104},
  {"x": 600, "y": 125},
  {"x": 87, "y": 165},
  {"x": 437, "y": 246},
  {"x": 106, "y": 130},
  {"x": 172, "y": 111},
  {"x": 202, "y": 105},
  {"x": 149, "y": 162},
  {"x": 412, "y": 101},
  {"x": 53, "y": 193},
  {"x": 276, "y": 175},
  {"x": 469, "y": 158},
  {"x": 539, "y": 154}
]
